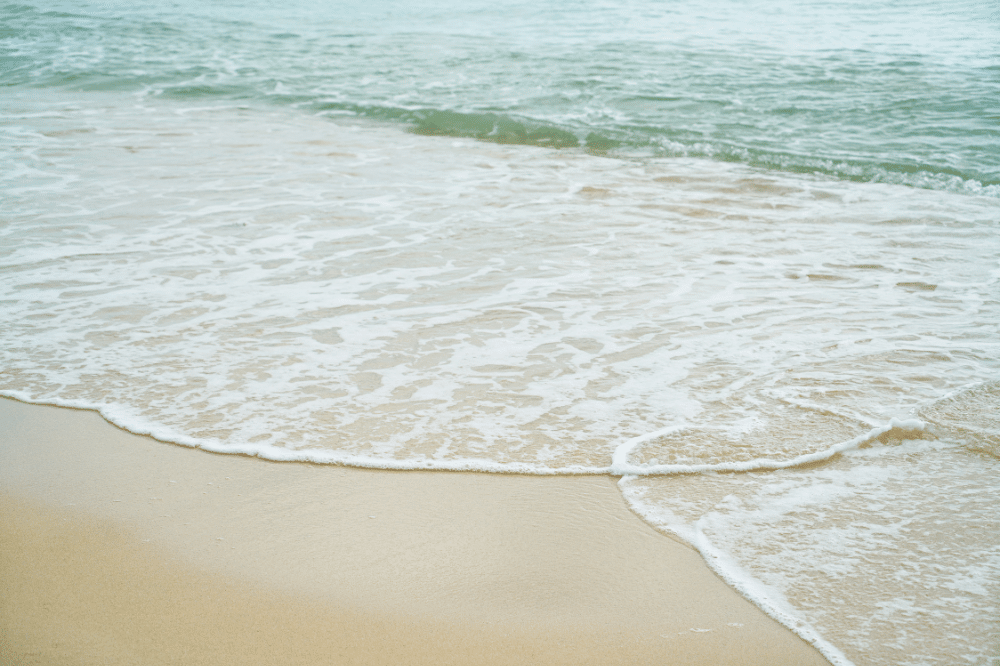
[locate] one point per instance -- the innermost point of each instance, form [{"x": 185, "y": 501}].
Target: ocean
[{"x": 744, "y": 255}]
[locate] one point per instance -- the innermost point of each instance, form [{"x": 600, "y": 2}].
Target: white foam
[
  {"x": 621, "y": 467},
  {"x": 267, "y": 284},
  {"x": 808, "y": 547}
]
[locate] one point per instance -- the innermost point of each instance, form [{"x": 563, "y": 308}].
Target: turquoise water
[
  {"x": 744, "y": 256},
  {"x": 895, "y": 91}
]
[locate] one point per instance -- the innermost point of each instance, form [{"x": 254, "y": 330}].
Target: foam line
[
  {"x": 121, "y": 419},
  {"x": 759, "y": 595},
  {"x": 619, "y": 463},
  {"x": 770, "y": 600},
  {"x": 621, "y": 467}
]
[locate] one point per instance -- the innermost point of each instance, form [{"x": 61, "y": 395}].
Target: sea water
[{"x": 744, "y": 255}]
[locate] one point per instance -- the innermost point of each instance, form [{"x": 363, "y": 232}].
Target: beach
[
  {"x": 580, "y": 331},
  {"x": 118, "y": 548}
]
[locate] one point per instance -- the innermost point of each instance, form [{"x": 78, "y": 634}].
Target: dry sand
[{"x": 117, "y": 549}]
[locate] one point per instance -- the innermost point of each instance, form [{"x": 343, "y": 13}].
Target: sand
[{"x": 118, "y": 549}]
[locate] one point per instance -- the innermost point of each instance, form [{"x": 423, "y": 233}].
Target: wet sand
[{"x": 117, "y": 549}]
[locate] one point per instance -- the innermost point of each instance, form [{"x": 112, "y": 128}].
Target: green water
[{"x": 896, "y": 91}]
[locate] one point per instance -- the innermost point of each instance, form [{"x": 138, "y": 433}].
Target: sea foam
[{"x": 771, "y": 361}]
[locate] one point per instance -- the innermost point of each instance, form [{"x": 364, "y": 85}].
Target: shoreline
[{"x": 118, "y": 547}]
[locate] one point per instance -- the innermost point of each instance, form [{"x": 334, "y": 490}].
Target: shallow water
[{"x": 791, "y": 366}]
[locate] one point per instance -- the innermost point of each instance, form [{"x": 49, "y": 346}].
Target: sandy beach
[{"x": 118, "y": 549}]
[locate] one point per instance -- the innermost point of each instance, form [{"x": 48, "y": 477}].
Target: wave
[
  {"x": 510, "y": 97},
  {"x": 970, "y": 416},
  {"x": 894, "y": 431},
  {"x": 504, "y": 128}
]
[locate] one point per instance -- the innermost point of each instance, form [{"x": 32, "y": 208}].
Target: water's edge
[{"x": 716, "y": 560}]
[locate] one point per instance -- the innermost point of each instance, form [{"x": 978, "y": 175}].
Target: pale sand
[{"x": 117, "y": 549}]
